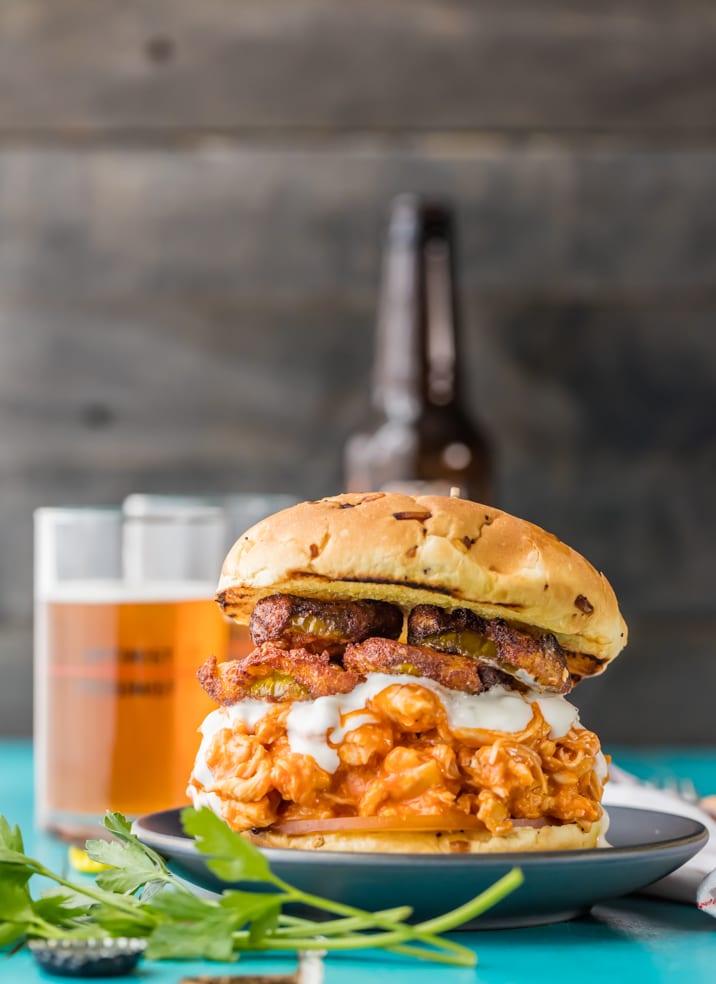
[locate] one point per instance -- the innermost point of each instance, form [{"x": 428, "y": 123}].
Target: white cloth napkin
[{"x": 695, "y": 881}]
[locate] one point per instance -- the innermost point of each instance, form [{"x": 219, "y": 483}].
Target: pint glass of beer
[
  {"x": 124, "y": 616},
  {"x": 241, "y": 510}
]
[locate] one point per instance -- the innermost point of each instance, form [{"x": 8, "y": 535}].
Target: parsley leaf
[
  {"x": 10, "y": 837},
  {"x": 260, "y": 909},
  {"x": 138, "y": 895},
  {"x": 15, "y": 899},
  {"x": 234, "y": 858},
  {"x": 116, "y": 922},
  {"x": 10, "y": 932},
  {"x": 12, "y": 850},
  {"x": 129, "y": 869},
  {"x": 209, "y": 937},
  {"x": 263, "y": 923},
  {"x": 61, "y": 908},
  {"x": 131, "y": 864},
  {"x": 182, "y": 906}
]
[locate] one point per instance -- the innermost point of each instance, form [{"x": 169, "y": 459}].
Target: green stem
[
  {"x": 463, "y": 957},
  {"x": 422, "y": 932},
  {"x": 326, "y": 905},
  {"x": 286, "y": 920},
  {"x": 294, "y": 927},
  {"x": 433, "y": 939},
  {"x": 470, "y": 910},
  {"x": 98, "y": 895},
  {"x": 349, "y": 923},
  {"x": 40, "y": 927},
  {"x": 353, "y": 942},
  {"x": 339, "y": 908},
  {"x": 458, "y": 956}
]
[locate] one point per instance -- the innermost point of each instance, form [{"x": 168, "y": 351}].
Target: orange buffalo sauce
[{"x": 405, "y": 761}]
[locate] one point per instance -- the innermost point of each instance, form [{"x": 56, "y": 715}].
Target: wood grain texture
[
  {"x": 594, "y": 435},
  {"x": 603, "y": 412},
  {"x": 192, "y": 198},
  {"x": 204, "y": 320},
  {"x": 288, "y": 222},
  {"x": 98, "y": 65},
  {"x": 655, "y": 693}
]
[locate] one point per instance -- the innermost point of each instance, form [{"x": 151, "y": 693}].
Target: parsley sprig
[{"x": 137, "y": 895}]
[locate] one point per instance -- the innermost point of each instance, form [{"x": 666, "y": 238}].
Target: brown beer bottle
[{"x": 420, "y": 440}]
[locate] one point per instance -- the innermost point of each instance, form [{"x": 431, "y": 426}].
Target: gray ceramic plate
[{"x": 558, "y": 885}]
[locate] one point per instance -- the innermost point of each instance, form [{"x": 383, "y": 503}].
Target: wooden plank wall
[{"x": 191, "y": 203}]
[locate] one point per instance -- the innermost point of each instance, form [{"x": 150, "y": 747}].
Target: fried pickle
[
  {"x": 515, "y": 651},
  {"x": 316, "y": 626},
  {"x": 454, "y": 671},
  {"x": 273, "y": 674}
]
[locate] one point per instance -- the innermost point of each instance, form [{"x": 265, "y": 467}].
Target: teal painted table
[{"x": 634, "y": 938}]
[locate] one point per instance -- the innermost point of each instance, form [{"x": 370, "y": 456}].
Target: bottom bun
[{"x": 563, "y": 837}]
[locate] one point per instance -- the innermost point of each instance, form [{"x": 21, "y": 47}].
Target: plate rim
[{"x": 699, "y": 833}]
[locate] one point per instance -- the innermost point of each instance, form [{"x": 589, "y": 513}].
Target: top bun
[{"x": 433, "y": 550}]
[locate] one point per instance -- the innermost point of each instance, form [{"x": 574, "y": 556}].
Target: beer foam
[{"x": 95, "y": 592}]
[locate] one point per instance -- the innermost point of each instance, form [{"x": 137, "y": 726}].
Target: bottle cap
[{"x": 104, "y": 957}]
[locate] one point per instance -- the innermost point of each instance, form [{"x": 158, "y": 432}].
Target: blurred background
[{"x": 192, "y": 203}]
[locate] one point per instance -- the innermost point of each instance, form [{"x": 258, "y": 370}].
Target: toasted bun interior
[
  {"x": 564, "y": 837},
  {"x": 435, "y": 550}
]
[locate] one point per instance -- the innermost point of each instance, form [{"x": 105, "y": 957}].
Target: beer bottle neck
[
  {"x": 440, "y": 322},
  {"x": 416, "y": 344}
]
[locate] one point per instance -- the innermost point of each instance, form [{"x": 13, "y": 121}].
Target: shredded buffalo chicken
[{"x": 405, "y": 762}]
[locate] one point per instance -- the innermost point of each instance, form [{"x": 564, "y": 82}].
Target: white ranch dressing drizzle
[
  {"x": 312, "y": 724},
  {"x": 200, "y": 797},
  {"x": 248, "y": 711}
]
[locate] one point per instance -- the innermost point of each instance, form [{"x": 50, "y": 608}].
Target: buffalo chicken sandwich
[{"x": 407, "y": 687}]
